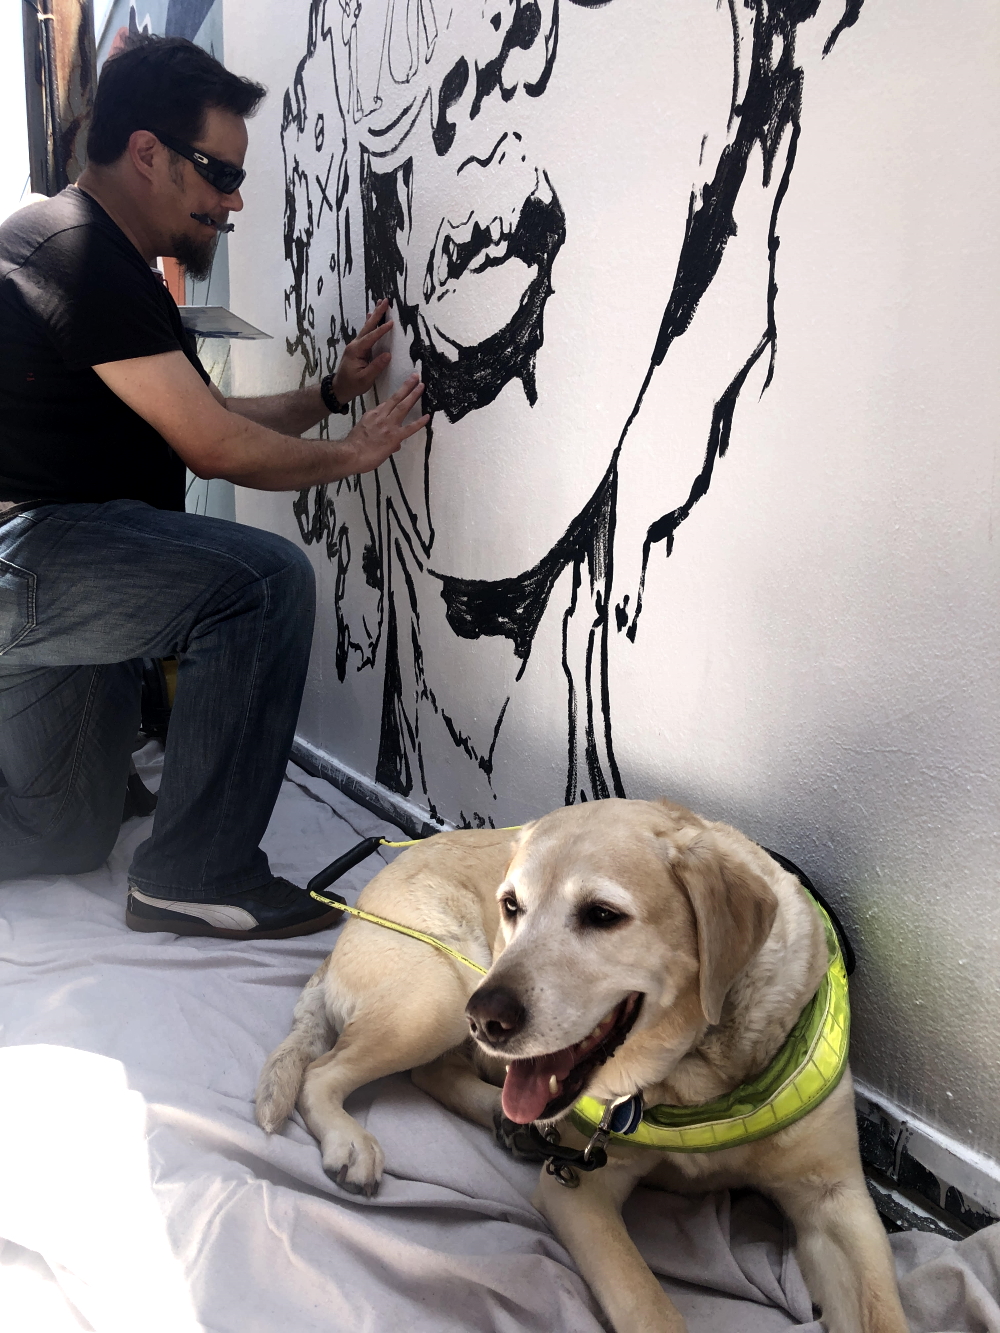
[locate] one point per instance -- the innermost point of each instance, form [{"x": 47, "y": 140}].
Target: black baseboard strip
[
  {"x": 362, "y": 791},
  {"x": 907, "y": 1192}
]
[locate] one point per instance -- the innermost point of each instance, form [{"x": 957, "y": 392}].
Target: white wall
[{"x": 818, "y": 659}]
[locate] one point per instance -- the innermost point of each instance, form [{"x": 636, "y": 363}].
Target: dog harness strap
[
  {"x": 400, "y": 930},
  {"x": 803, "y": 1073}
]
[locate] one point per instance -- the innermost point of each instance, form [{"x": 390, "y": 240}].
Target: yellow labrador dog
[{"x": 632, "y": 948}]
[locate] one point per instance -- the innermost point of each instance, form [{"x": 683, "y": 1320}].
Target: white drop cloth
[{"x": 137, "y": 1193}]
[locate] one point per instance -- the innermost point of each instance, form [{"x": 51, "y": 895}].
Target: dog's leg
[
  {"x": 588, "y": 1221},
  {"x": 382, "y": 1038},
  {"x": 844, "y": 1254},
  {"x": 453, "y": 1081},
  {"x": 281, "y": 1077}
]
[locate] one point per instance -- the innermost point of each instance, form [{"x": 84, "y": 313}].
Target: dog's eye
[
  {"x": 508, "y": 905},
  {"x": 601, "y": 917}
]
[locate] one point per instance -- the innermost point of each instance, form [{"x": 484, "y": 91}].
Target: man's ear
[
  {"x": 734, "y": 909},
  {"x": 142, "y": 148}
]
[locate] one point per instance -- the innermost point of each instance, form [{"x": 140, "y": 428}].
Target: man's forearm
[
  {"x": 259, "y": 457},
  {"x": 192, "y": 417},
  {"x": 288, "y": 413}
]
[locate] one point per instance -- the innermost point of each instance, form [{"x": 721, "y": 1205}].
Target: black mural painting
[{"x": 374, "y": 70}]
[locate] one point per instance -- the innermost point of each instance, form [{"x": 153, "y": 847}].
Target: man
[{"x": 102, "y": 404}]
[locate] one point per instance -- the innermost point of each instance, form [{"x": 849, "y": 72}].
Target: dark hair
[{"x": 162, "y": 84}]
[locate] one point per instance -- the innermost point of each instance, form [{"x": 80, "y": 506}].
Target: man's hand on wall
[
  {"x": 358, "y": 368},
  {"x": 381, "y": 431}
]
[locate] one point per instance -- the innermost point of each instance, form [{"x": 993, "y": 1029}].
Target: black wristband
[{"x": 330, "y": 400}]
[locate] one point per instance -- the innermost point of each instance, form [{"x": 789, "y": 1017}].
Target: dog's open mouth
[{"x": 542, "y": 1086}]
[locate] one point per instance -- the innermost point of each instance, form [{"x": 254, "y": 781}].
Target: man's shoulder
[{"x": 66, "y": 224}]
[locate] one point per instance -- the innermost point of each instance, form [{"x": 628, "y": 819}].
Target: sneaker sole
[{"x": 148, "y": 925}]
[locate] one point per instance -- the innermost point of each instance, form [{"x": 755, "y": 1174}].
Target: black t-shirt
[{"x": 74, "y": 293}]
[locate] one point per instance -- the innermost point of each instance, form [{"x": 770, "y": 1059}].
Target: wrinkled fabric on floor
[{"x": 136, "y": 1190}]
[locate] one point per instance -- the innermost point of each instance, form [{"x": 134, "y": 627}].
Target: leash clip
[{"x": 622, "y": 1115}]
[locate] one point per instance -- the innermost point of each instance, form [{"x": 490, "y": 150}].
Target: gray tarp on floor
[{"x": 137, "y": 1192}]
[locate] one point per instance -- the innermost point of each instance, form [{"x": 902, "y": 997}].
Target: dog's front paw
[{"x": 354, "y": 1161}]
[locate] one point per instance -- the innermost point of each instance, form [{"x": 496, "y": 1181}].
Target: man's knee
[
  {"x": 293, "y": 579},
  {"x": 275, "y": 557},
  {"x": 300, "y": 568}
]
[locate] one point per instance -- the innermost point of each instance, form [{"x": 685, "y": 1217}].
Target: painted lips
[
  {"x": 477, "y": 244},
  {"x": 480, "y": 268}
]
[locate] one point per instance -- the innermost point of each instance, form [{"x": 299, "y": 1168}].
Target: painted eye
[
  {"x": 601, "y": 917},
  {"x": 508, "y": 905}
]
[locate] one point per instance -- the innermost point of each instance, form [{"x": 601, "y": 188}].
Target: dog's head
[{"x": 624, "y": 925}]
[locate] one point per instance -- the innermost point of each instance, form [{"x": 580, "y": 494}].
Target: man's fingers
[
  {"x": 405, "y": 389},
  {"x": 406, "y": 431},
  {"x": 375, "y": 316},
  {"x": 366, "y": 340},
  {"x": 403, "y": 406}
]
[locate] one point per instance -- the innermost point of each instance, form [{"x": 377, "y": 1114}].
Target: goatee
[{"x": 195, "y": 255}]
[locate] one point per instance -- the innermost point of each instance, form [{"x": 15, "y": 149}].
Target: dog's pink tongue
[{"x": 527, "y": 1088}]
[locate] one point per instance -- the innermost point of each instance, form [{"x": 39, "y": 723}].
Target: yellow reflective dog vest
[{"x": 803, "y": 1073}]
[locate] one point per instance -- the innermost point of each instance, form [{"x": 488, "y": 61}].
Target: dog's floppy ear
[{"x": 734, "y": 909}]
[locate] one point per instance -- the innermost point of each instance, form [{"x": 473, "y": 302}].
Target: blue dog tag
[{"x": 626, "y": 1116}]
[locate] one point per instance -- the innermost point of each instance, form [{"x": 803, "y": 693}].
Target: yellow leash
[
  {"x": 364, "y": 849},
  {"x": 400, "y": 930}
]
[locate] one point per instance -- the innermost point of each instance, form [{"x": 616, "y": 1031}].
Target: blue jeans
[{"x": 85, "y": 591}]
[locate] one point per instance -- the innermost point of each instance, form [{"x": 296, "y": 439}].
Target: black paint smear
[
  {"x": 383, "y": 222},
  {"x": 343, "y": 551},
  {"x": 514, "y": 607},
  {"x": 571, "y": 695},
  {"x": 371, "y": 566},
  {"x": 851, "y": 15},
  {"x": 392, "y": 769},
  {"x": 316, "y": 515},
  {"x": 298, "y": 232},
  {"x": 521, "y": 35},
  {"x": 771, "y": 108},
  {"x": 298, "y": 242},
  {"x": 400, "y": 730},
  {"x": 453, "y": 85}
]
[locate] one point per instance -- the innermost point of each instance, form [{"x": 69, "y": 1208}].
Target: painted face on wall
[
  {"x": 460, "y": 219},
  {"x": 572, "y": 208},
  {"x": 524, "y": 211}
]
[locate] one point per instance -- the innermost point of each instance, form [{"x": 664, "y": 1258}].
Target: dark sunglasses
[{"x": 222, "y": 176}]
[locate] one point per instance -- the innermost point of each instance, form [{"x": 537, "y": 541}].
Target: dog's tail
[{"x": 311, "y": 1035}]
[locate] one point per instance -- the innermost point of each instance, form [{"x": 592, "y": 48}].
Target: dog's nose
[{"x": 495, "y": 1015}]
